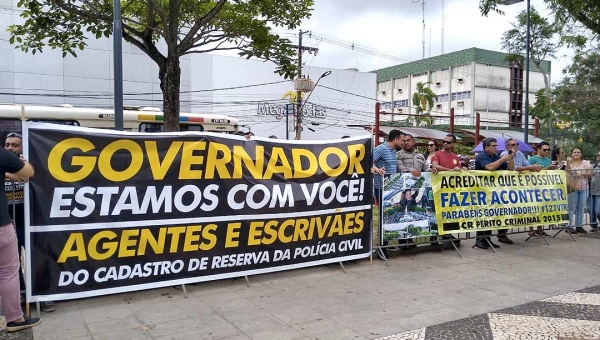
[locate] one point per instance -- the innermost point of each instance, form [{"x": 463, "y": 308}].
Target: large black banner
[{"x": 114, "y": 211}]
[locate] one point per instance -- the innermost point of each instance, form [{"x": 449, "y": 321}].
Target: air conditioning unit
[
  {"x": 383, "y": 93},
  {"x": 399, "y": 90},
  {"x": 438, "y": 84},
  {"x": 439, "y": 106},
  {"x": 460, "y": 103},
  {"x": 399, "y": 110},
  {"x": 460, "y": 80}
]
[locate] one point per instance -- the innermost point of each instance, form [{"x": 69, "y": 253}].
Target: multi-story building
[{"x": 470, "y": 81}]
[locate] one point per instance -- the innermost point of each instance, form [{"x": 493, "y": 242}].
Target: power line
[{"x": 356, "y": 47}]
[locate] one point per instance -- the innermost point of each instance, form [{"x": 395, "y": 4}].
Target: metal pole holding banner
[{"x": 118, "y": 64}]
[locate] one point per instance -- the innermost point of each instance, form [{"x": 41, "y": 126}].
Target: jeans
[
  {"x": 577, "y": 200},
  {"x": 9, "y": 274},
  {"x": 594, "y": 209}
]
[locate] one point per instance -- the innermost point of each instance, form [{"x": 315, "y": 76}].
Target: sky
[{"x": 395, "y": 27}]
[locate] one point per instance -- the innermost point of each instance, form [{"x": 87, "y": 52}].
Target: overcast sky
[{"x": 395, "y": 26}]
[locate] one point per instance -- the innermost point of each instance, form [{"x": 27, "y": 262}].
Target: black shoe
[
  {"x": 14, "y": 326},
  {"x": 481, "y": 245},
  {"x": 571, "y": 230},
  {"x": 593, "y": 230},
  {"x": 504, "y": 239},
  {"x": 581, "y": 230},
  {"x": 494, "y": 244},
  {"x": 48, "y": 307}
]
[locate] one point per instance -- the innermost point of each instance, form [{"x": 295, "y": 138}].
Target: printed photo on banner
[
  {"x": 113, "y": 211},
  {"x": 467, "y": 201},
  {"x": 407, "y": 208}
]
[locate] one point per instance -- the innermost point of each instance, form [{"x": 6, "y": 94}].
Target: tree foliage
[
  {"x": 543, "y": 43},
  {"x": 185, "y": 26},
  {"x": 423, "y": 100},
  {"x": 577, "y": 97}
]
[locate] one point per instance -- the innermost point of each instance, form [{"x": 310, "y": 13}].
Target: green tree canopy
[
  {"x": 572, "y": 13},
  {"x": 577, "y": 97},
  {"x": 186, "y": 26}
]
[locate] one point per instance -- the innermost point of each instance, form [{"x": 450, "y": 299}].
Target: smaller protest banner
[
  {"x": 408, "y": 213},
  {"x": 467, "y": 201}
]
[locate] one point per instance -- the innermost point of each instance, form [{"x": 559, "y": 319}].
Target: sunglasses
[
  {"x": 546, "y": 150},
  {"x": 513, "y": 144},
  {"x": 13, "y": 135},
  {"x": 430, "y": 145},
  {"x": 447, "y": 142}
]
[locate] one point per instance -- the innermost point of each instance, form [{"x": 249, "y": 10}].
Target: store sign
[{"x": 280, "y": 110}]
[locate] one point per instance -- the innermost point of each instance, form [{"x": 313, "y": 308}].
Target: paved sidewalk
[
  {"x": 568, "y": 316},
  {"x": 370, "y": 301}
]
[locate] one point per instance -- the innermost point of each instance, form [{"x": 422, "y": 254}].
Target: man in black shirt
[
  {"x": 9, "y": 255},
  {"x": 14, "y": 185}
]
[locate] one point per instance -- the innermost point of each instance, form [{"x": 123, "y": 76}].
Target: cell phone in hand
[{"x": 510, "y": 152}]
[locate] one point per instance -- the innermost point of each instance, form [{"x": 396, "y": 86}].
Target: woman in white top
[{"x": 578, "y": 174}]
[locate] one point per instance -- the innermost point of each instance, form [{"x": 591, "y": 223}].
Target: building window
[
  {"x": 386, "y": 105},
  {"x": 461, "y": 95},
  {"x": 400, "y": 103},
  {"x": 442, "y": 98}
]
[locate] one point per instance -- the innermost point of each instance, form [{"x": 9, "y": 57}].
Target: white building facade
[{"x": 470, "y": 81}]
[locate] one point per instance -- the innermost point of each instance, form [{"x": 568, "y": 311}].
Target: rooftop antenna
[
  {"x": 443, "y": 18},
  {"x": 423, "y": 5}
]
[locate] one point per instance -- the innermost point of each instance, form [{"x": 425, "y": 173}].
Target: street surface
[{"x": 526, "y": 291}]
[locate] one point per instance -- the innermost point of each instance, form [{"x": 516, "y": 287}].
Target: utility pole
[
  {"x": 301, "y": 50},
  {"x": 118, "y": 64}
]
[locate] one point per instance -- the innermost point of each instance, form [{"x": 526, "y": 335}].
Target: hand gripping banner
[{"x": 112, "y": 211}]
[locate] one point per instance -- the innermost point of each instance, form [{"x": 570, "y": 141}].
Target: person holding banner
[
  {"x": 446, "y": 159},
  {"x": 384, "y": 157},
  {"x": 594, "y": 198},
  {"x": 522, "y": 164},
  {"x": 9, "y": 255},
  {"x": 490, "y": 161},
  {"x": 14, "y": 144},
  {"x": 410, "y": 160}
]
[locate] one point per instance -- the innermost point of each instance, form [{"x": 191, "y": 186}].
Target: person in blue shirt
[
  {"x": 490, "y": 161},
  {"x": 522, "y": 164},
  {"x": 384, "y": 158}
]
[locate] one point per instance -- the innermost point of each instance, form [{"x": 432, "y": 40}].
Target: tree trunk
[{"x": 170, "y": 81}]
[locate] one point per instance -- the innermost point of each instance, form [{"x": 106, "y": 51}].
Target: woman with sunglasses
[{"x": 431, "y": 150}]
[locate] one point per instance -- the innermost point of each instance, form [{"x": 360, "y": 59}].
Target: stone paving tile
[
  {"x": 23, "y": 335},
  {"x": 507, "y": 326},
  {"x": 571, "y": 316},
  {"x": 592, "y": 290},
  {"x": 418, "y": 334},
  {"x": 556, "y": 310},
  {"x": 476, "y": 328},
  {"x": 577, "y": 298}
]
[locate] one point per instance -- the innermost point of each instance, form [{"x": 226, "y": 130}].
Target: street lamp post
[{"x": 527, "y": 53}]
